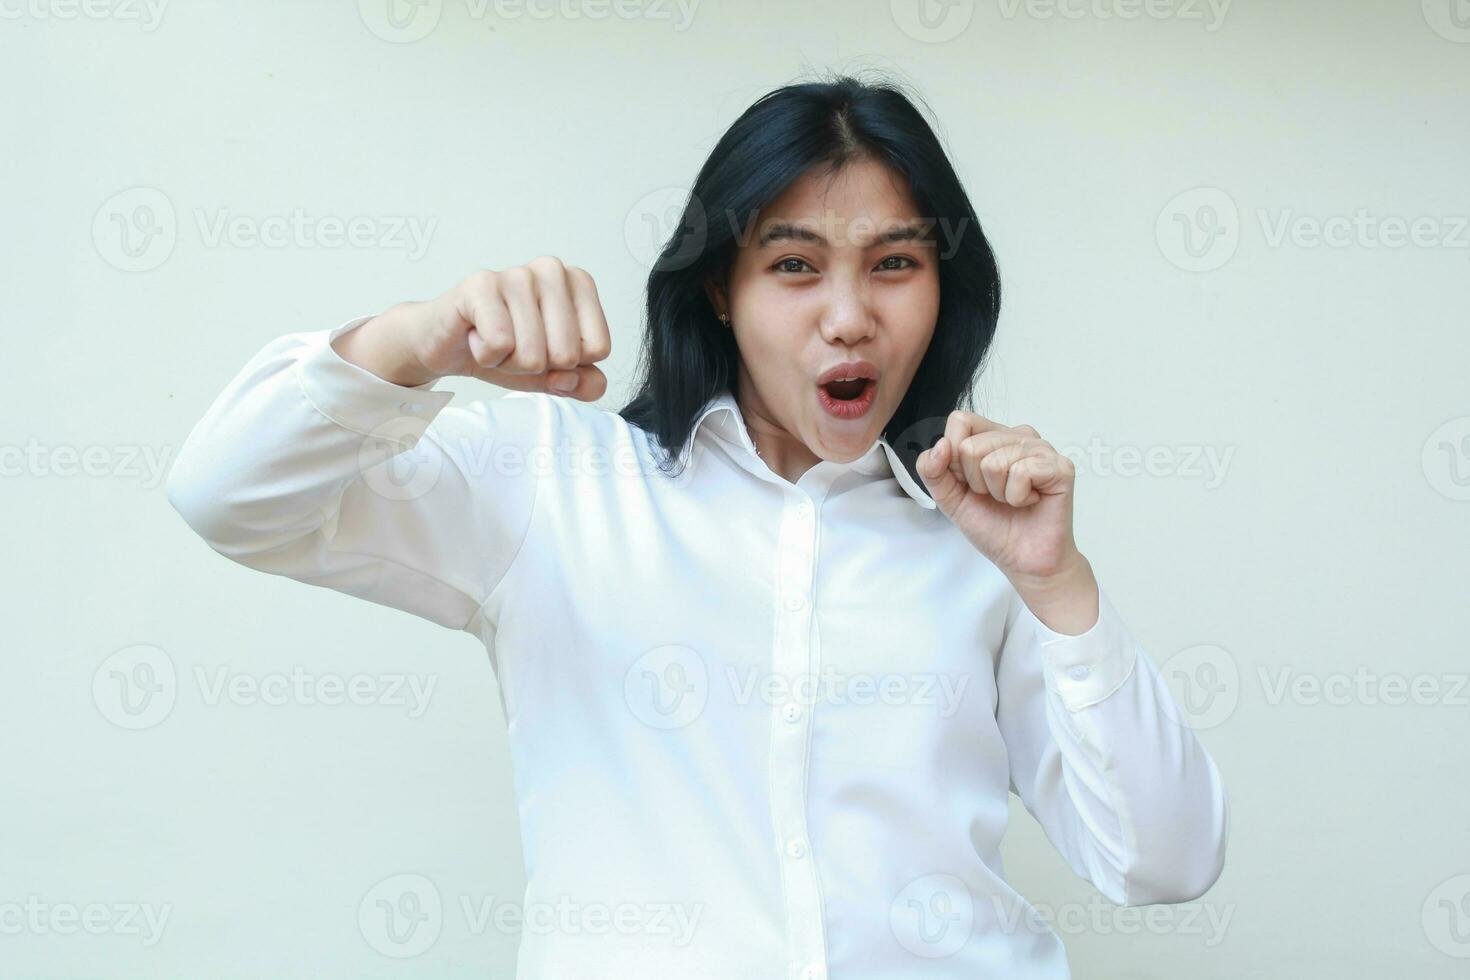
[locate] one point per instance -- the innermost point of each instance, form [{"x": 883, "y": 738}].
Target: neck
[{"x": 784, "y": 454}]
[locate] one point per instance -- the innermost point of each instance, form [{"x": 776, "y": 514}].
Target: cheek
[
  {"x": 926, "y": 296},
  {"x": 772, "y": 354},
  {"x": 772, "y": 345},
  {"x": 916, "y": 318},
  {"x": 911, "y": 315}
]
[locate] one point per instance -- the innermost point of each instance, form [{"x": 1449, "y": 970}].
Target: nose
[{"x": 848, "y": 317}]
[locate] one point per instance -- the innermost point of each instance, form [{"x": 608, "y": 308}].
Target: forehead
[{"x": 864, "y": 198}]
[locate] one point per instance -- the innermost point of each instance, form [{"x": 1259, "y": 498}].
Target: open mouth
[
  {"x": 847, "y": 398},
  {"x": 847, "y": 390}
]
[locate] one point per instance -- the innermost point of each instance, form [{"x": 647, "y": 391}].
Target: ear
[{"x": 716, "y": 294}]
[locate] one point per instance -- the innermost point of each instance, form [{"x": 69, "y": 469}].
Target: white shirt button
[
  {"x": 792, "y": 712},
  {"x": 795, "y": 602},
  {"x": 813, "y": 973},
  {"x": 409, "y": 407},
  {"x": 1079, "y": 672},
  {"x": 803, "y": 510},
  {"x": 796, "y": 848}
]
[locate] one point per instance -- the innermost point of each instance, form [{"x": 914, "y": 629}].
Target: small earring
[{"x": 725, "y": 319}]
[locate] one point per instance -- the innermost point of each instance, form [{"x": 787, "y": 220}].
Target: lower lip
[{"x": 853, "y": 409}]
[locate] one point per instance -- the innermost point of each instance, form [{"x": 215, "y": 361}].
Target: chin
[{"x": 847, "y": 446}]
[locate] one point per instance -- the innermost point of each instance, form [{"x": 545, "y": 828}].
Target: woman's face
[{"x": 825, "y": 277}]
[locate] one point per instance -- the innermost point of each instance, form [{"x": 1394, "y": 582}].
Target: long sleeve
[
  {"x": 1102, "y": 756},
  {"x": 311, "y": 467}
]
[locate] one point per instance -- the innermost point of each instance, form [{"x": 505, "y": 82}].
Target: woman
[{"x": 770, "y": 671}]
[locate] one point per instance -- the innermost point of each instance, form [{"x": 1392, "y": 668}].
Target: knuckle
[
  {"x": 496, "y": 346},
  {"x": 597, "y": 347},
  {"x": 483, "y": 281},
  {"x": 516, "y": 275},
  {"x": 546, "y": 264},
  {"x": 562, "y": 357},
  {"x": 582, "y": 279}
]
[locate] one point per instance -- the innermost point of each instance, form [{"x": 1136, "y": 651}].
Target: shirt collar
[{"x": 723, "y": 412}]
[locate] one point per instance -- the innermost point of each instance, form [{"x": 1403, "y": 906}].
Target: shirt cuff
[
  {"x": 357, "y": 399},
  {"x": 1086, "y": 668}
]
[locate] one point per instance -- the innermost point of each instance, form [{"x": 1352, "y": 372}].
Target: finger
[
  {"x": 519, "y": 291},
  {"x": 1051, "y": 472},
  {"x": 995, "y": 469},
  {"x": 1020, "y": 482},
  {"x": 946, "y": 489},
  {"x": 589, "y": 384},
  {"x": 492, "y": 336},
  {"x": 986, "y": 457},
  {"x": 959, "y": 426},
  {"x": 596, "y": 340},
  {"x": 563, "y": 339}
]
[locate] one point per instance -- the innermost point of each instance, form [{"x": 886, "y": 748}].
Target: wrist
[
  {"x": 1065, "y": 601},
  {"x": 380, "y": 346}
]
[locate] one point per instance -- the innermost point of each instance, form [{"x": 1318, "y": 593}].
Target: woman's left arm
[
  {"x": 1100, "y": 752},
  {"x": 1102, "y": 756}
]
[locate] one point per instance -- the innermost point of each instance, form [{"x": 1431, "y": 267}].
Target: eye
[
  {"x": 780, "y": 266},
  {"x": 784, "y": 265}
]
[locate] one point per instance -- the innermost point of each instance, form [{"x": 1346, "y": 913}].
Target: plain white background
[{"x": 1235, "y": 258}]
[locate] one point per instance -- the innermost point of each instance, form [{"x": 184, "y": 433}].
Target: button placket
[{"x": 791, "y": 660}]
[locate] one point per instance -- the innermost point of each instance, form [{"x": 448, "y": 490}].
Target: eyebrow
[{"x": 781, "y": 231}]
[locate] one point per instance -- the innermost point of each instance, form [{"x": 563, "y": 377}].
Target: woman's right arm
[{"x": 330, "y": 459}]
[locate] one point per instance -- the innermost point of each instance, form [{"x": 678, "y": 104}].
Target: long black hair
[{"x": 688, "y": 356}]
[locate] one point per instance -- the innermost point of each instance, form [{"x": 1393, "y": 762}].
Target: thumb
[
  {"x": 588, "y": 383},
  {"x": 585, "y": 382},
  {"x": 933, "y": 464}
]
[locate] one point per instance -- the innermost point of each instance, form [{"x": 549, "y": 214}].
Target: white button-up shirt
[{"x": 758, "y": 729}]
